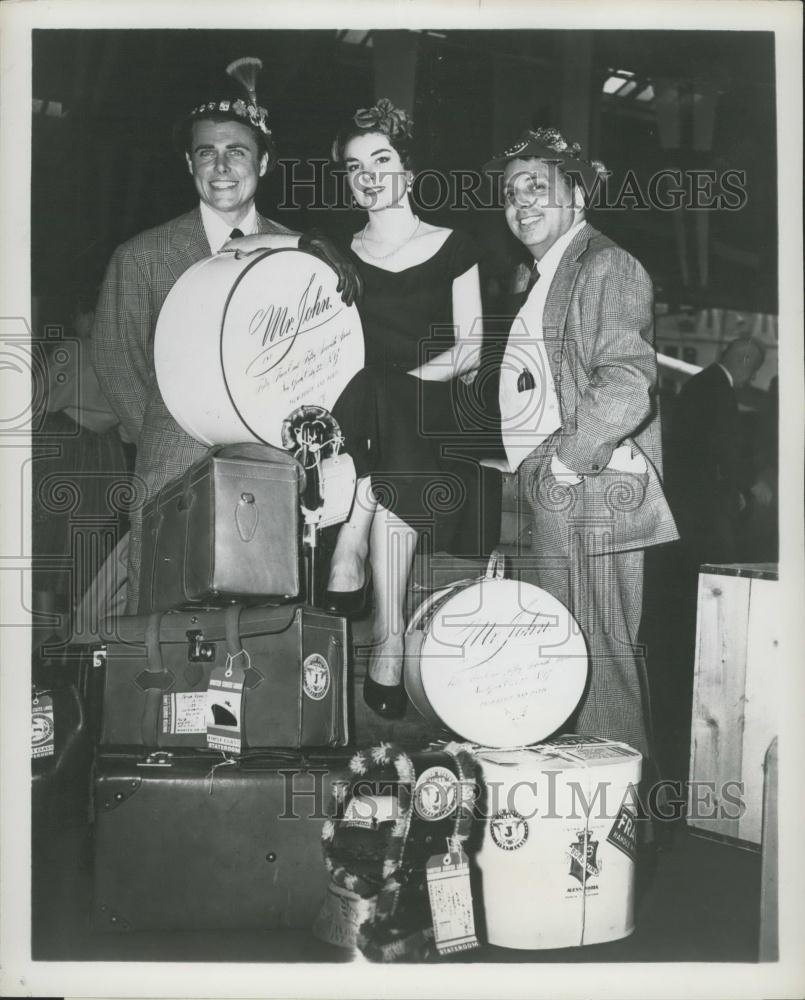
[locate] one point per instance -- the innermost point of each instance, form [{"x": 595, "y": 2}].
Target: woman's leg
[
  {"x": 392, "y": 545},
  {"x": 347, "y": 566}
]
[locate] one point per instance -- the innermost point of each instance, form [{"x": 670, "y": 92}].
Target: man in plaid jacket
[
  {"x": 580, "y": 422},
  {"x": 228, "y": 147}
]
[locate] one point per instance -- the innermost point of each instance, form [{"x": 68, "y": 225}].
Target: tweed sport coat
[
  {"x": 140, "y": 274},
  {"x": 598, "y": 328}
]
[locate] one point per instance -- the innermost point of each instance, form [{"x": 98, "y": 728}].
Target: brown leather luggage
[
  {"x": 185, "y": 841},
  {"x": 228, "y": 529},
  {"x": 158, "y": 675}
]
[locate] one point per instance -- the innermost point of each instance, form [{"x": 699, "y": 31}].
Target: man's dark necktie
[
  {"x": 525, "y": 380},
  {"x": 235, "y": 234}
]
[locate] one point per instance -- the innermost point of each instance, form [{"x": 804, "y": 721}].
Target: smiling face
[
  {"x": 375, "y": 173},
  {"x": 539, "y": 203},
  {"x": 225, "y": 164}
]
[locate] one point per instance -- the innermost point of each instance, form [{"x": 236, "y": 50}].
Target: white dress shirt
[
  {"x": 528, "y": 417},
  {"x": 218, "y": 231},
  {"x": 728, "y": 373}
]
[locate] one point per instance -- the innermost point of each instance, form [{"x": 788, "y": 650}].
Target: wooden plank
[
  {"x": 718, "y": 702},
  {"x": 768, "y": 948},
  {"x": 760, "y": 699}
]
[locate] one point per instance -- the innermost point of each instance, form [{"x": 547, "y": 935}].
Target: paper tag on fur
[
  {"x": 43, "y": 730},
  {"x": 225, "y": 706},
  {"x": 341, "y": 914},
  {"x": 368, "y": 811},
  {"x": 184, "y": 712},
  {"x": 450, "y": 895}
]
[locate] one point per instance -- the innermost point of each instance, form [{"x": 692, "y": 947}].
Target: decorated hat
[
  {"x": 239, "y": 108},
  {"x": 549, "y": 144}
]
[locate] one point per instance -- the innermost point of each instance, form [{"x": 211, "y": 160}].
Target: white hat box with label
[{"x": 557, "y": 855}]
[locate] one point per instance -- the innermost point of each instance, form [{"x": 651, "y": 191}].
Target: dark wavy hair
[
  {"x": 183, "y": 135},
  {"x": 383, "y": 119}
]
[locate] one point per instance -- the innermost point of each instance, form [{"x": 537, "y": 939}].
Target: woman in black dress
[{"x": 410, "y": 417}]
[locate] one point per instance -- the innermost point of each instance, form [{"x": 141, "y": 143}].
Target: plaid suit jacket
[
  {"x": 140, "y": 274},
  {"x": 598, "y": 327}
]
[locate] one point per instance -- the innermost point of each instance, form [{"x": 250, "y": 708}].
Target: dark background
[{"x": 105, "y": 167}]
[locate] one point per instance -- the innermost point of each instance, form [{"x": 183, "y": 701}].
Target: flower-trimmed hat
[
  {"x": 247, "y": 111},
  {"x": 384, "y": 118},
  {"x": 550, "y": 144}
]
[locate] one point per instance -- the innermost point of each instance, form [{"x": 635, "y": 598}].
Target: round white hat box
[
  {"x": 244, "y": 339},
  {"x": 500, "y": 662},
  {"x": 557, "y": 854}
]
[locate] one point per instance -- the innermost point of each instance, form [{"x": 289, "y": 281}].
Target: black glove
[{"x": 350, "y": 283}]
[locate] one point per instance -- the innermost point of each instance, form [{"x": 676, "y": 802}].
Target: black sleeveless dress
[{"x": 421, "y": 440}]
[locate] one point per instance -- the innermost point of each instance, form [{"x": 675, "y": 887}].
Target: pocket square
[{"x": 623, "y": 460}]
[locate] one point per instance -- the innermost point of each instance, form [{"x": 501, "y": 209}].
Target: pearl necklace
[{"x": 391, "y": 253}]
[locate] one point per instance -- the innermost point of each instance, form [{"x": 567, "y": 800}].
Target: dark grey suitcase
[
  {"x": 228, "y": 529},
  {"x": 157, "y": 672},
  {"x": 187, "y": 840}
]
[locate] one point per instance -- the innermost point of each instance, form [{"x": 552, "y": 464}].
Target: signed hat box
[
  {"x": 557, "y": 853},
  {"x": 245, "y": 339},
  {"x": 500, "y": 662}
]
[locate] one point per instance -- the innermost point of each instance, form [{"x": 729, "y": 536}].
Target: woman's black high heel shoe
[
  {"x": 350, "y": 603},
  {"x": 386, "y": 700}
]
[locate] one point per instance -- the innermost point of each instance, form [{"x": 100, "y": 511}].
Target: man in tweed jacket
[
  {"x": 580, "y": 422},
  {"x": 228, "y": 148}
]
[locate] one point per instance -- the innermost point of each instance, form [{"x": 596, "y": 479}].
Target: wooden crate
[
  {"x": 768, "y": 943},
  {"x": 734, "y": 698}
]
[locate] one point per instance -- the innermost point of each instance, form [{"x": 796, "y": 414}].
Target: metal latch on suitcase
[{"x": 199, "y": 651}]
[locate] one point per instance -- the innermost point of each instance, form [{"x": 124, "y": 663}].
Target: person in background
[
  {"x": 761, "y": 531},
  {"x": 709, "y": 481},
  {"x": 227, "y": 146},
  {"x": 709, "y": 471}
]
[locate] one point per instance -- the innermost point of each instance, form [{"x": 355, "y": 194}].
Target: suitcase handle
[
  {"x": 186, "y": 500},
  {"x": 251, "y": 451},
  {"x": 234, "y": 645},
  {"x": 155, "y": 676}
]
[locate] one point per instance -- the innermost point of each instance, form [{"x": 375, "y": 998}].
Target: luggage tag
[
  {"x": 225, "y": 704},
  {"x": 450, "y": 893},
  {"x": 43, "y": 729},
  {"x": 369, "y": 811},
  {"x": 342, "y": 914}
]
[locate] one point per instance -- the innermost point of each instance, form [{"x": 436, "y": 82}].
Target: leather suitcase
[
  {"x": 229, "y": 528},
  {"x": 61, "y": 743},
  {"x": 158, "y": 667},
  {"x": 61, "y": 784},
  {"x": 184, "y": 840}
]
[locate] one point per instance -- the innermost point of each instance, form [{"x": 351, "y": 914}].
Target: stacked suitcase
[
  {"x": 221, "y": 712},
  {"x": 220, "y": 723}
]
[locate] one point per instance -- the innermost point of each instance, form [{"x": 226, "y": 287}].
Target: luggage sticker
[
  {"x": 509, "y": 830},
  {"x": 42, "y": 726},
  {"x": 435, "y": 794},
  {"x": 585, "y": 865},
  {"x": 225, "y": 704},
  {"x": 315, "y": 676},
  {"x": 623, "y": 834},
  {"x": 184, "y": 712},
  {"x": 369, "y": 811}
]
